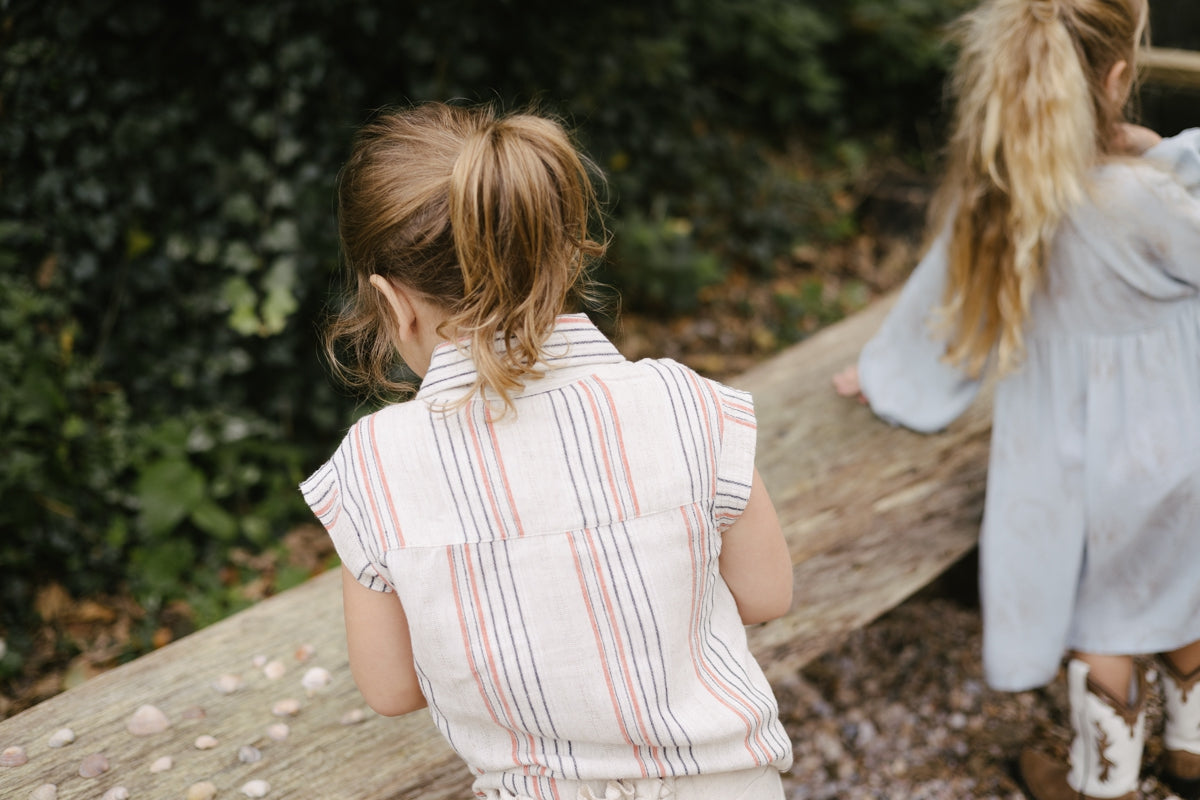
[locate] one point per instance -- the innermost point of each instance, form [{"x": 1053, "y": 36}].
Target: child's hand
[
  {"x": 1133, "y": 140},
  {"x": 845, "y": 383}
]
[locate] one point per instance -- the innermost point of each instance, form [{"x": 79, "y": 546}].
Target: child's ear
[
  {"x": 1116, "y": 86},
  {"x": 400, "y": 301}
]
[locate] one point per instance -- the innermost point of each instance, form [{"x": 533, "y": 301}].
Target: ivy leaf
[{"x": 168, "y": 490}]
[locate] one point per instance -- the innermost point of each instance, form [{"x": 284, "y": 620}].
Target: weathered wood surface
[
  {"x": 1172, "y": 67},
  {"x": 871, "y": 513}
]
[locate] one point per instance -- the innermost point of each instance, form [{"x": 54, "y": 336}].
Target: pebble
[
  {"x": 304, "y": 652},
  {"x": 61, "y": 737},
  {"x": 279, "y": 731},
  {"x": 249, "y": 754},
  {"x": 205, "y": 742},
  {"x": 147, "y": 720},
  {"x": 13, "y": 756},
  {"x": 353, "y": 716},
  {"x": 274, "y": 669},
  {"x": 162, "y": 764},
  {"x": 47, "y": 791},
  {"x": 204, "y": 790},
  {"x": 286, "y": 708},
  {"x": 116, "y": 793},
  {"x": 256, "y": 788},
  {"x": 228, "y": 683},
  {"x": 93, "y": 766},
  {"x": 314, "y": 679}
]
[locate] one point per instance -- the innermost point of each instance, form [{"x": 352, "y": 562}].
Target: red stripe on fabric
[
  {"x": 742, "y": 422},
  {"x": 612, "y": 407},
  {"x": 369, "y": 488},
  {"x": 387, "y": 493},
  {"x": 491, "y": 663},
  {"x": 629, "y": 688},
  {"x": 612, "y": 692},
  {"x": 612, "y": 483},
  {"x": 708, "y": 432},
  {"x": 485, "y": 474},
  {"x": 512, "y": 503},
  {"x": 697, "y": 658},
  {"x": 470, "y": 653},
  {"x": 323, "y": 510}
]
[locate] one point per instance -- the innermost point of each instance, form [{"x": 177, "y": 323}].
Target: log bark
[{"x": 871, "y": 513}]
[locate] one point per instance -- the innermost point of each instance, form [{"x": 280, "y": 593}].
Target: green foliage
[
  {"x": 167, "y": 239},
  {"x": 659, "y": 262}
]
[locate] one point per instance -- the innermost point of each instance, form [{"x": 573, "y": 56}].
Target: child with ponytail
[
  {"x": 552, "y": 547},
  {"x": 1066, "y": 260}
]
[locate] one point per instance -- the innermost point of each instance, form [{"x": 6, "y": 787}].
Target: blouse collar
[{"x": 574, "y": 342}]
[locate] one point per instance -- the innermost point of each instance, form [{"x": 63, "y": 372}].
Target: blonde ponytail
[
  {"x": 483, "y": 214},
  {"x": 1032, "y": 119}
]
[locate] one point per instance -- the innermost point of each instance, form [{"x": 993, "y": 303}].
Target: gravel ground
[{"x": 901, "y": 711}]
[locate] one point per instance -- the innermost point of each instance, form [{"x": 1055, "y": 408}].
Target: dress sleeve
[
  {"x": 735, "y": 459},
  {"x": 1163, "y": 207},
  {"x": 330, "y": 494},
  {"x": 901, "y": 371},
  {"x": 1181, "y": 156}
]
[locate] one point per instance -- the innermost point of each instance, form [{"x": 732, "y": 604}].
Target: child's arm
[
  {"x": 381, "y": 658},
  {"x": 900, "y": 372},
  {"x": 755, "y": 562}
]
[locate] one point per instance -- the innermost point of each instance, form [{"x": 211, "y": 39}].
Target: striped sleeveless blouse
[{"x": 558, "y": 566}]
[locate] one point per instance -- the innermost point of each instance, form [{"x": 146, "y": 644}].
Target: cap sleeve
[
  {"x": 330, "y": 497},
  {"x": 735, "y": 459}
]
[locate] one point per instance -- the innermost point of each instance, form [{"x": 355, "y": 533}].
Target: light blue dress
[{"x": 1091, "y": 528}]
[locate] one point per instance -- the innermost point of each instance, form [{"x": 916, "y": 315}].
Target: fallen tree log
[{"x": 871, "y": 513}]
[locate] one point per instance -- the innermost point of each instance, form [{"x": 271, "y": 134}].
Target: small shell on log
[
  {"x": 162, "y": 764},
  {"x": 13, "y": 757},
  {"x": 259, "y": 661},
  {"x": 274, "y": 669},
  {"x": 116, "y": 793},
  {"x": 61, "y": 737},
  {"x": 286, "y": 708},
  {"x": 147, "y": 720},
  {"x": 93, "y": 765},
  {"x": 194, "y": 712},
  {"x": 47, "y": 791},
  {"x": 205, "y": 742},
  {"x": 228, "y": 683},
  {"x": 257, "y": 788},
  {"x": 249, "y": 754},
  {"x": 203, "y": 790},
  {"x": 315, "y": 678},
  {"x": 353, "y": 716},
  {"x": 304, "y": 652},
  {"x": 279, "y": 731}
]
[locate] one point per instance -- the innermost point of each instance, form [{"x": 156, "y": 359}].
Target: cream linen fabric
[{"x": 559, "y": 565}]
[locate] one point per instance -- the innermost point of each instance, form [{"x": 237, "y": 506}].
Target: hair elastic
[{"x": 1044, "y": 10}]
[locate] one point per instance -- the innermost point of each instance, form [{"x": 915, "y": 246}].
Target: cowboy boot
[
  {"x": 1181, "y": 734},
  {"x": 1106, "y": 753}
]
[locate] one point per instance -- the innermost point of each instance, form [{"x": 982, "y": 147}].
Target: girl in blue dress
[{"x": 1067, "y": 263}]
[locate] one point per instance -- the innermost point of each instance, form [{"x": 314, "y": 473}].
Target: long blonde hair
[
  {"x": 1032, "y": 118},
  {"x": 484, "y": 214}
]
